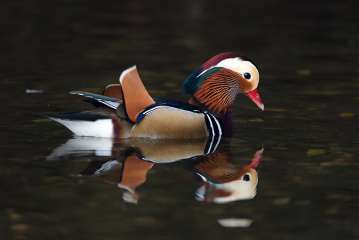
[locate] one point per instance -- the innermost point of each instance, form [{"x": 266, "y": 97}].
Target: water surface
[{"x": 307, "y": 178}]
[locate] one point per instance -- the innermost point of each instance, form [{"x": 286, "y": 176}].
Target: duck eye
[
  {"x": 246, "y": 178},
  {"x": 247, "y": 75}
]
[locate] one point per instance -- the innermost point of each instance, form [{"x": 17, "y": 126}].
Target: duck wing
[
  {"x": 135, "y": 96},
  {"x": 96, "y": 99}
]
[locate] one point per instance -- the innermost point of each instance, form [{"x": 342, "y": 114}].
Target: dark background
[{"x": 307, "y": 54}]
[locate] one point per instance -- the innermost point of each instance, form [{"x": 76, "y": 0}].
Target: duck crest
[
  {"x": 216, "y": 59},
  {"x": 193, "y": 81}
]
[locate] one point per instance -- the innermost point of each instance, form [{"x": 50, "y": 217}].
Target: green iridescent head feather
[{"x": 196, "y": 79}]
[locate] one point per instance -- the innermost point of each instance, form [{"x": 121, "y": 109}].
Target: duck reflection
[
  {"x": 127, "y": 163},
  {"x": 222, "y": 181}
]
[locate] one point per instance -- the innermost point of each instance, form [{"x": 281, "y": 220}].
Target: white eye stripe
[
  {"x": 241, "y": 67},
  {"x": 238, "y": 65}
]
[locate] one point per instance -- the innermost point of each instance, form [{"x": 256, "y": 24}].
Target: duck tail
[{"x": 89, "y": 124}]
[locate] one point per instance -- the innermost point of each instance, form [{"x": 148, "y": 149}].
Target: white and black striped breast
[{"x": 214, "y": 132}]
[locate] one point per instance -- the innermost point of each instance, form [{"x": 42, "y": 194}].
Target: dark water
[{"x": 307, "y": 53}]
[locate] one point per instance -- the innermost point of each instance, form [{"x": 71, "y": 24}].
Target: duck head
[{"x": 217, "y": 83}]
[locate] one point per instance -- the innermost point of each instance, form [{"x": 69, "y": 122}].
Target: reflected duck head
[
  {"x": 244, "y": 188},
  {"x": 223, "y": 182}
]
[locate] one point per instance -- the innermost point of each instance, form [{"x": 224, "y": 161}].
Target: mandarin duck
[{"x": 127, "y": 110}]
